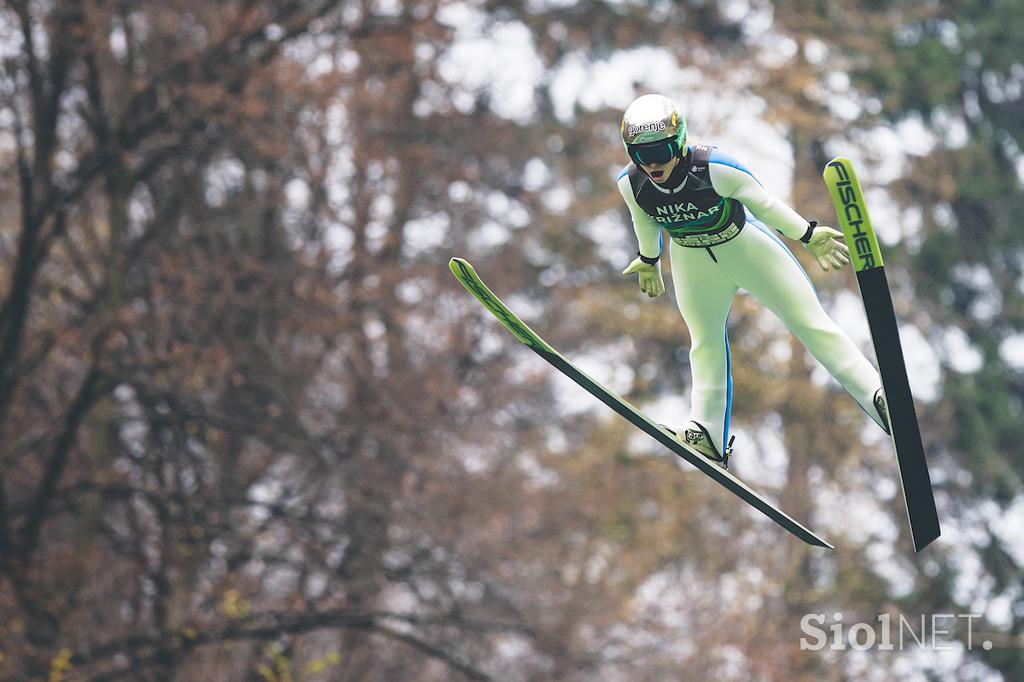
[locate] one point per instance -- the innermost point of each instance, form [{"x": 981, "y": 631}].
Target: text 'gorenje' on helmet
[{"x": 652, "y": 118}]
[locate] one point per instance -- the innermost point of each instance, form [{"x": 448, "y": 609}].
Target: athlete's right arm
[
  {"x": 648, "y": 231},
  {"x": 648, "y": 234}
]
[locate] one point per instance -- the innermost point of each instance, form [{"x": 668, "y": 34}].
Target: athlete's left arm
[{"x": 732, "y": 180}]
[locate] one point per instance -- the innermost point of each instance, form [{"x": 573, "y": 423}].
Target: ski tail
[{"x": 851, "y": 209}]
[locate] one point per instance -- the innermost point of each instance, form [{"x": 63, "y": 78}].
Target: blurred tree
[{"x": 250, "y": 428}]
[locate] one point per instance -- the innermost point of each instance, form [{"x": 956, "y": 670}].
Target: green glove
[
  {"x": 828, "y": 247},
  {"x": 651, "y": 282}
]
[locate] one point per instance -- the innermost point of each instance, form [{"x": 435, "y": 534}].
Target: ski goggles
[{"x": 651, "y": 153}]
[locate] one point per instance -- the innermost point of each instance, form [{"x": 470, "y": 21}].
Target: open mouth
[{"x": 657, "y": 174}]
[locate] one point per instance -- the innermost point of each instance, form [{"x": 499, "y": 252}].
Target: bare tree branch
[
  {"x": 267, "y": 626},
  {"x": 88, "y": 393}
]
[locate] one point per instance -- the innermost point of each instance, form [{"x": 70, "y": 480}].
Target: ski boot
[
  {"x": 882, "y": 407},
  {"x": 699, "y": 439}
]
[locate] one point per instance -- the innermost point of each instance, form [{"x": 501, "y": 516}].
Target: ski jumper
[{"x": 720, "y": 221}]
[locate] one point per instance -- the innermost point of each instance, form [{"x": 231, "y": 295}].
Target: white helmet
[{"x": 653, "y": 129}]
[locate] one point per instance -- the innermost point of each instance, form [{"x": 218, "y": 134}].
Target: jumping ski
[
  {"x": 465, "y": 273},
  {"x": 852, "y": 211}
]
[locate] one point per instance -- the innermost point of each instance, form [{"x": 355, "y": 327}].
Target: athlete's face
[{"x": 659, "y": 172}]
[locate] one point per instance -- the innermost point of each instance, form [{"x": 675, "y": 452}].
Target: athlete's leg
[
  {"x": 704, "y": 295},
  {"x": 758, "y": 261}
]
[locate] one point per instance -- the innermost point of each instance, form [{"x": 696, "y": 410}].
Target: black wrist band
[
  {"x": 649, "y": 261},
  {"x": 810, "y": 230}
]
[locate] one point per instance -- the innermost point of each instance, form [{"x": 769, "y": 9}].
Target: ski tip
[
  {"x": 837, "y": 161},
  {"x": 458, "y": 265}
]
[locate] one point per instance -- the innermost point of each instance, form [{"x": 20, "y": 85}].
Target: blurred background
[{"x": 252, "y": 429}]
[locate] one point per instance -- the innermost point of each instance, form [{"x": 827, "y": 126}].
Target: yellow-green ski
[
  {"x": 465, "y": 273},
  {"x": 852, "y": 211}
]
